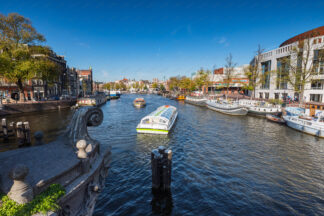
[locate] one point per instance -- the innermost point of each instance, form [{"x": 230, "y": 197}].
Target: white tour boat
[
  {"x": 158, "y": 122},
  {"x": 226, "y": 107},
  {"x": 307, "y": 125}
]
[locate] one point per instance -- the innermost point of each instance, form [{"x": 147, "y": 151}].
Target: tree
[
  {"x": 107, "y": 86},
  {"x": 117, "y": 86},
  {"x": 253, "y": 72},
  {"x": 17, "y": 29},
  {"x": 202, "y": 79},
  {"x": 174, "y": 83},
  {"x": 155, "y": 85},
  {"x": 123, "y": 86},
  {"x": 185, "y": 83},
  {"x": 229, "y": 71},
  {"x": 299, "y": 68},
  {"x": 162, "y": 88},
  {"x": 17, "y": 61}
]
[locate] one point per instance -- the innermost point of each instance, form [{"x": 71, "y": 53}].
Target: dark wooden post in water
[
  {"x": 27, "y": 133},
  {"x": 4, "y": 129},
  {"x": 161, "y": 161},
  {"x": 20, "y": 133}
]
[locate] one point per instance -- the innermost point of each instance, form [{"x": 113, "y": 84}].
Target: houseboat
[
  {"x": 96, "y": 100},
  {"x": 260, "y": 108},
  {"x": 198, "y": 101},
  {"x": 227, "y": 107},
  {"x": 139, "y": 102},
  {"x": 309, "y": 125},
  {"x": 158, "y": 122}
]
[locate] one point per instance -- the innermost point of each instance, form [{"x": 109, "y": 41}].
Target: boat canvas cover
[{"x": 163, "y": 111}]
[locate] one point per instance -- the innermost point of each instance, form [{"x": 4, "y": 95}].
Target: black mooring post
[
  {"x": 4, "y": 129},
  {"x": 161, "y": 161}
]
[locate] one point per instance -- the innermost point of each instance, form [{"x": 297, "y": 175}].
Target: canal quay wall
[
  {"x": 75, "y": 161},
  {"x": 16, "y": 108}
]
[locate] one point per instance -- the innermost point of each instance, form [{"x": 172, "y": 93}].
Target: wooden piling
[
  {"x": 27, "y": 133},
  {"x": 161, "y": 161},
  {"x": 20, "y": 133},
  {"x": 4, "y": 129}
]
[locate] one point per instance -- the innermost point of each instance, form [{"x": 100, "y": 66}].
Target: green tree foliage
[
  {"x": 202, "y": 78},
  {"x": 174, "y": 83},
  {"x": 17, "y": 30},
  {"x": 17, "y": 60},
  {"x": 155, "y": 85},
  {"x": 229, "y": 71},
  {"x": 107, "y": 86}
]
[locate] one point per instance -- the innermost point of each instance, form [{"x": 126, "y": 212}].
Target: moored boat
[
  {"x": 181, "y": 97},
  {"x": 158, "y": 122},
  {"x": 114, "y": 94},
  {"x": 139, "y": 102},
  {"x": 229, "y": 108},
  {"x": 260, "y": 108},
  {"x": 199, "y": 101},
  {"x": 313, "y": 126},
  {"x": 275, "y": 118},
  {"x": 263, "y": 111},
  {"x": 96, "y": 100}
]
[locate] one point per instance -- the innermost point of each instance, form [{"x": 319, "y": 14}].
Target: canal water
[{"x": 222, "y": 165}]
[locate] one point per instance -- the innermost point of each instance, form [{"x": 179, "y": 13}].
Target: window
[
  {"x": 266, "y": 68},
  {"x": 261, "y": 95},
  {"x": 318, "y": 61},
  {"x": 319, "y": 40},
  {"x": 266, "y": 95},
  {"x": 316, "y": 97},
  {"x": 276, "y": 95},
  {"x": 316, "y": 84},
  {"x": 282, "y": 72}
]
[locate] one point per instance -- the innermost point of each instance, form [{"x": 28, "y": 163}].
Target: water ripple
[{"x": 222, "y": 165}]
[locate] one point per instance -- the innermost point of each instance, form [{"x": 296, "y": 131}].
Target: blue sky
[{"x": 148, "y": 39}]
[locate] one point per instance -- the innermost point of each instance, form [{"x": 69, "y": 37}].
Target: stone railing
[{"x": 74, "y": 160}]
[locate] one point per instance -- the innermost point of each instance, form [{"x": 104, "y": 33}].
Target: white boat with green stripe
[{"x": 158, "y": 122}]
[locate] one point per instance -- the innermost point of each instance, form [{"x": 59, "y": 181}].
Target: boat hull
[
  {"x": 304, "y": 128},
  {"x": 139, "y": 105},
  {"x": 237, "y": 111},
  {"x": 197, "y": 103},
  {"x": 151, "y": 131},
  {"x": 274, "y": 118},
  {"x": 262, "y": 113}
]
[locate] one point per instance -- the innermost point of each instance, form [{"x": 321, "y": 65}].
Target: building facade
[
  {"x": 85, "y": 82},
  {"x": 236, "y": 84},
  {"x": 303, "y": 49}
]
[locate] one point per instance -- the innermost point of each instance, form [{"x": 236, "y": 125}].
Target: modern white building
[{"x": 272, "y": 64}]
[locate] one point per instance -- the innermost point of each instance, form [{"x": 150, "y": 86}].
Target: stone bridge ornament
[{"x": 74, "y": 160}]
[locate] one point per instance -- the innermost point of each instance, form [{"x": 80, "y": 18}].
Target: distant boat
[
  {"x": 139, "y": 102},
  {"x": 275, "y": 118},
  {"x": 181, "y": 97},
  {"x": 97, "y": 100},
  {"x": 114, "y": 94},
  {"x": 199, "y": 101},
  {"x": 227, "y": 107},
  {"x": 158, "y": 122},
  {"x": 307, "y": 125}
]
